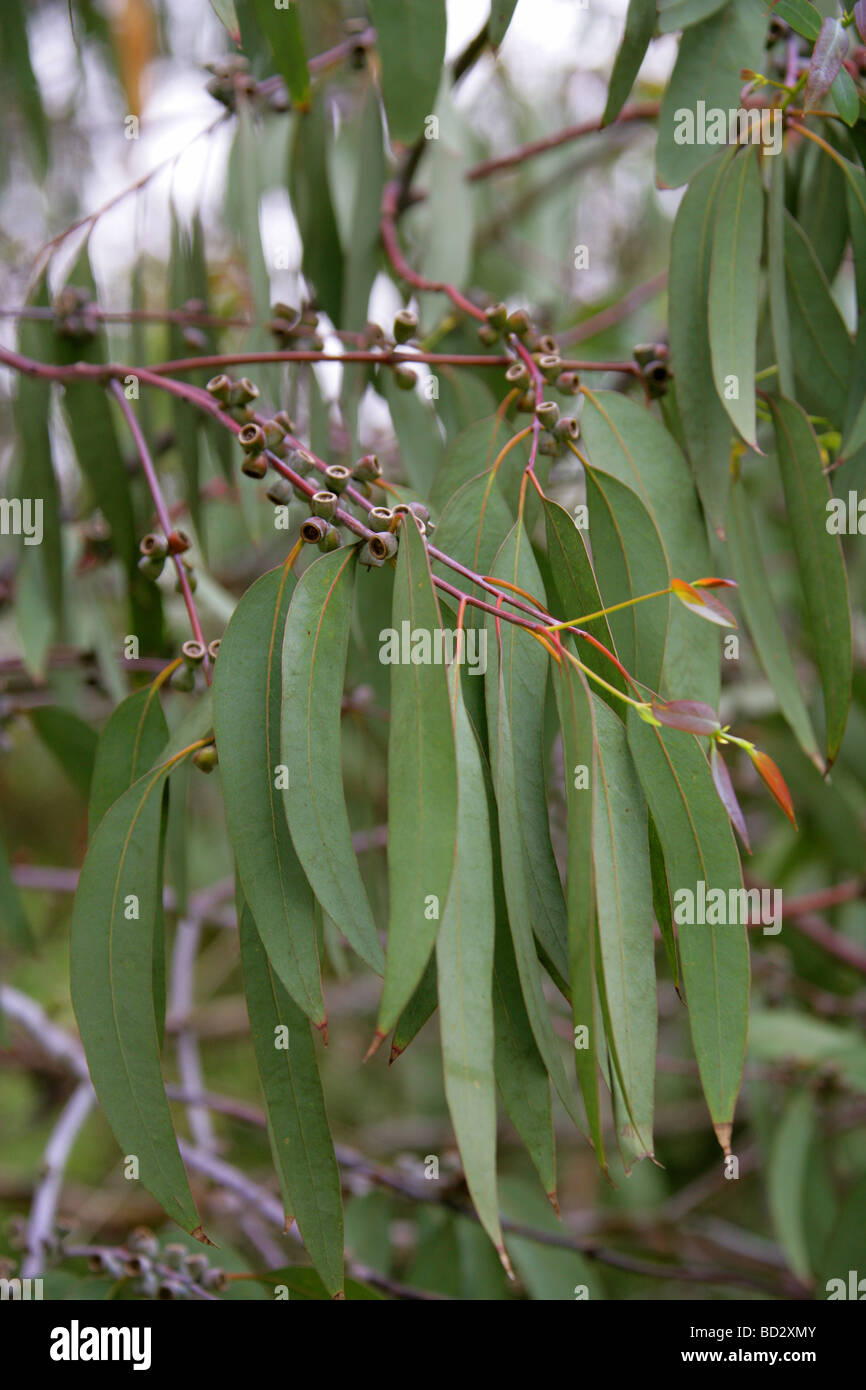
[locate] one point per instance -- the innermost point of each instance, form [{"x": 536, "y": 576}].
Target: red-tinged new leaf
[
  {"x": 860, "y": 18},
  {"x": 827, "y": 56},
  {"x": 725, "y": 788},
  {"x": 704, "y": 605},
  {"x": 774, "y": 781},
  {"x": 693, "y": 716},
  {"x": 714, "y": 583}
]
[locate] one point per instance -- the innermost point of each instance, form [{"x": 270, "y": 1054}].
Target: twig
[
  {"x": 644, "y": 111},
  {"x": 44, "y": 1206}
]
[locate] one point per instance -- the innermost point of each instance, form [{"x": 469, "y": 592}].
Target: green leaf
[
  {"x": 624, "y": 440},
  {"x": 785, "y": 1035},
  {"x": 820, "y": 343},
  {"x": 844, "y": 1249},
  {"x": 630, "y": 562},
  {"x": 520, "y": 1071},
  {"x": 472, "y": 452},
  {"x": 681, "y": 14},
  {"x": 19, "y": 80},
  {"x": 845, "y": 96},
  {"x": 314, "y": 663},
  {"x": 129, "y": 744},
  {"x": 422, "y": 786},
  {"x": 228, "y": 16},
  {"x": 640, "y": 23},
  {"x": 577, "y": 720},
  {"x": 705, "y": 422},
  {"x": 803, "y": 18},
  {"x": 303, "y": 1285},
  {"x": 500, "y": 18},
  {"x": 776, "y": 277},
  {"x": 464, "y": 961},
  {"x": 297, "y": 1123},
  {"x": 247, "y": 693},
  {"x": 363, "y": 251},
  {"x": 70, "y": 740},
  {"x": 112, "y": 957},
  {"x": 520, "y": 679},
  {"x": 410, "y": 37},
  {"x": 417, "y": 432},
  {"x": 420, "y": 1008},
  {"x": 735, "y": 269},
  {"x": 322, "y": 262},
  {"x": 710, "y": 59},
  {"x": 282, "y": 26},
  {"x": 12, "y": 914},
  {"x": 787, "y": 1180},
  {"x": 576, "y": 589},
  {"x": 698, "y": 846},
  {"x": 819, "y": 560},
  {"x": 755, "y": 594},
  {"x": 623, "y": 887},
  {"x": 473, "y": 526}
]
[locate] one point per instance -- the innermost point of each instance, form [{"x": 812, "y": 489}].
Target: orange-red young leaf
[
  {"x": 773, "y": 779},
  {"x": 702, "y": 604}
]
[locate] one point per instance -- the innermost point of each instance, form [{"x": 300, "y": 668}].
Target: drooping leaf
[
  {"x": 640, "y": 22},
  {"x": 464, "y": 961},
  {"x": 303, "y": 1285},
  {"x": 774, "y": 781},
  {"x": 728, "y": 797},
  {"x": 422, "y": 784},
  {"x": 70, "y": 739},
  {"x": 681, "y": 14},
  {"x": 704, "y": 419},
  {"x": 820, "y": 562},
  {"x": 420, "y": 1008},
  {"x": 297, "y": 1123},
  {"x": 227, "y": 15},
  {"x": 802, "y": 17},
  {"x": 788, "y": 1178},
  {"x": 733, "y": 303},
  {"x": 322, "y": 261},
  {"x": 829, "y": 51},
  {"x": 282, "y": 26},
  {"x": 776, "y": 277},
  {"x": 624, "y": 906},
  {"x": 247, "y": 694},
  {"x": 820, "y": 343},
  {"x": 698, "y": 846},
  {"x": 129, "y": 744},
  {"x": 313, "y": 667},
  {"x": 845, "y": 96},
  {"x": 115, "y": 918},
  {"x": 362, "y": 252},
  {"x": 410, "y": 38},
  {"x": 500, "y": 18}
]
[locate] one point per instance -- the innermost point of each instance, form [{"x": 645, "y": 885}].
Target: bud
[
  {"x": 405, "y": 378},
  {"x": 518, "y": 322},
  {"x": 205, "y": 760},
  {"x": 183, "y": 679},
  {"x": 405, "y": 325},
  {"x": 497, "y": 316}
]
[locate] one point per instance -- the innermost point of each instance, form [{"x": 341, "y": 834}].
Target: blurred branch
[
  {"x": 43, "y": 1209},
  {"x": 643, "y": 111}
]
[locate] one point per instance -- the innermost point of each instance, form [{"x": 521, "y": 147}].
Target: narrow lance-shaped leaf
[
  {"x": 827, "y": 56},
  {"x": 820, "y": 562},
  {"x": 420, "y": 1008},
  {"x": 624, "y": 904},
  {"x": 776, "y": 276},
  {"x": 464, "y": 959},
  {"x": 422, "y": 782},
  {"x": 734, "y": 300},
  {"x": 699, "y": 848},
  {"x": 70, "y": 739},
  {"x": 410, "y": 38},
  {"x": 313, "y": 665},
  {"x": 117, "y": 909},
  {"x": 788, "y": 1179},
  {"x": 322, "y": 262},
  {"x": 298, "y": 1125},
  {"x": 247, "y": 692},
  {"x": 640, "y": 23},
  {"x": 577, "y": 720},
  {"x": 282, "y": 25},
  {"x": 129, "y": 744},
  {"x": 820, "y": 344}
]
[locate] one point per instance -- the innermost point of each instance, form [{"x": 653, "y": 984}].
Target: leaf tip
[
  {"x": 199, "y": 1234},
  {"x": 723, "y": 1134},
  {"x": 378, "y": 1039}
]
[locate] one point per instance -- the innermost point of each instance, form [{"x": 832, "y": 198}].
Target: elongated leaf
[
  {"x": 70, "y": 739},
  {"x": 830, "y": 49},
  {"x": 755, "y": 594},
  {"x": 314, "y": 661},
  {"x": 362, "y": 252},
  {"x": 845, "y": 96},
  {"x": 464, "y": 961},
  {"x": 227, "y": 15},
  {"x": 282, "y": 25},
  {"x": 247, "y": 694},
  {"x": 500, "y": 18},
  {"x": 521, "y": 675},
  {"x": 520, "y": 1071},
  {"x": 787, "y": 1180},
  {"x": 12, "y": 914},
  {"x": 622, "y": 439},
  {"x": 844, "y": 1248},
  {"x": 820, "y": 343},
  {"x": 32, "y": 411},
  {"x": 117, "y": 910},
  {"x": 698, "y": 846},
  {"x": 820, "y": 562},
  {"x": 733, "y": 305},
  {"x": 579, "y": 752},
  {"x": 470, "y": 453},
  {"x": 129, "y": 744},
  {"x": 576, "y": 589},
  {"x": 410, "y": 37},
  {"x": 711, "y": 57},
  {"x": 776, "y": 277},
  {"x": 705, "y": 422},
  {"x": 298, "y": 1125},
  {"x": 640, "y": 22},
  {"x": 322, "y": 262},
  {"x": 422, "y": 785},
  {"x": 420, "y": 1008},
  {"x": 803, "y": 17},
  {"x": 624, "y": 904},
  {"x": 303, "y": 1285},
  {"x": 630, "y": 562},
  {"x": 681, "y": 14}
]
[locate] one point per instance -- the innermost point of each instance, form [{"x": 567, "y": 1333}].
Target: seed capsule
[
  {"x": 382, "y": 546},
  {"x": 324, "y": 504},
  {"x": 183, "y": 679},
  {"x": 517, "y": 374},
  {"x": 367, "y": 469},
  {"x": 252, "y": 439},
  {"x": 243, "y": 392},
  {"x": 567, "y": 427},
  {"x": 547, "y": 412},
  {"x": 546, "y": 344},
  {"x": 153, "y": 545},
  {"x": 487, "y": 334},
  {"x": 380, "y": 518},
  {"x": 220, "y": 387},
  {"x": 549, "y": 364},
  {"x": 405, "y": 377},
  {"x": 151, "y": 566},
  {"x": 405, "y": 325},
  {"x": 497, "y": 316},
  {"x": 568, "y": 383},
  {"x": 280, "y": 491},
  {"x": 332, "y": 540},
  {"x": 284, "y": 420},
  {"x": 338, "y": 477},
  {"x": 193, "y": 652},
  {"x": 313, "y": 529},
  {"x": 255, "y": 465},
  {"x": 274, "y": 433},
  {"x": 213, "y": 648},
  {"x": 518, "y": 322}
]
